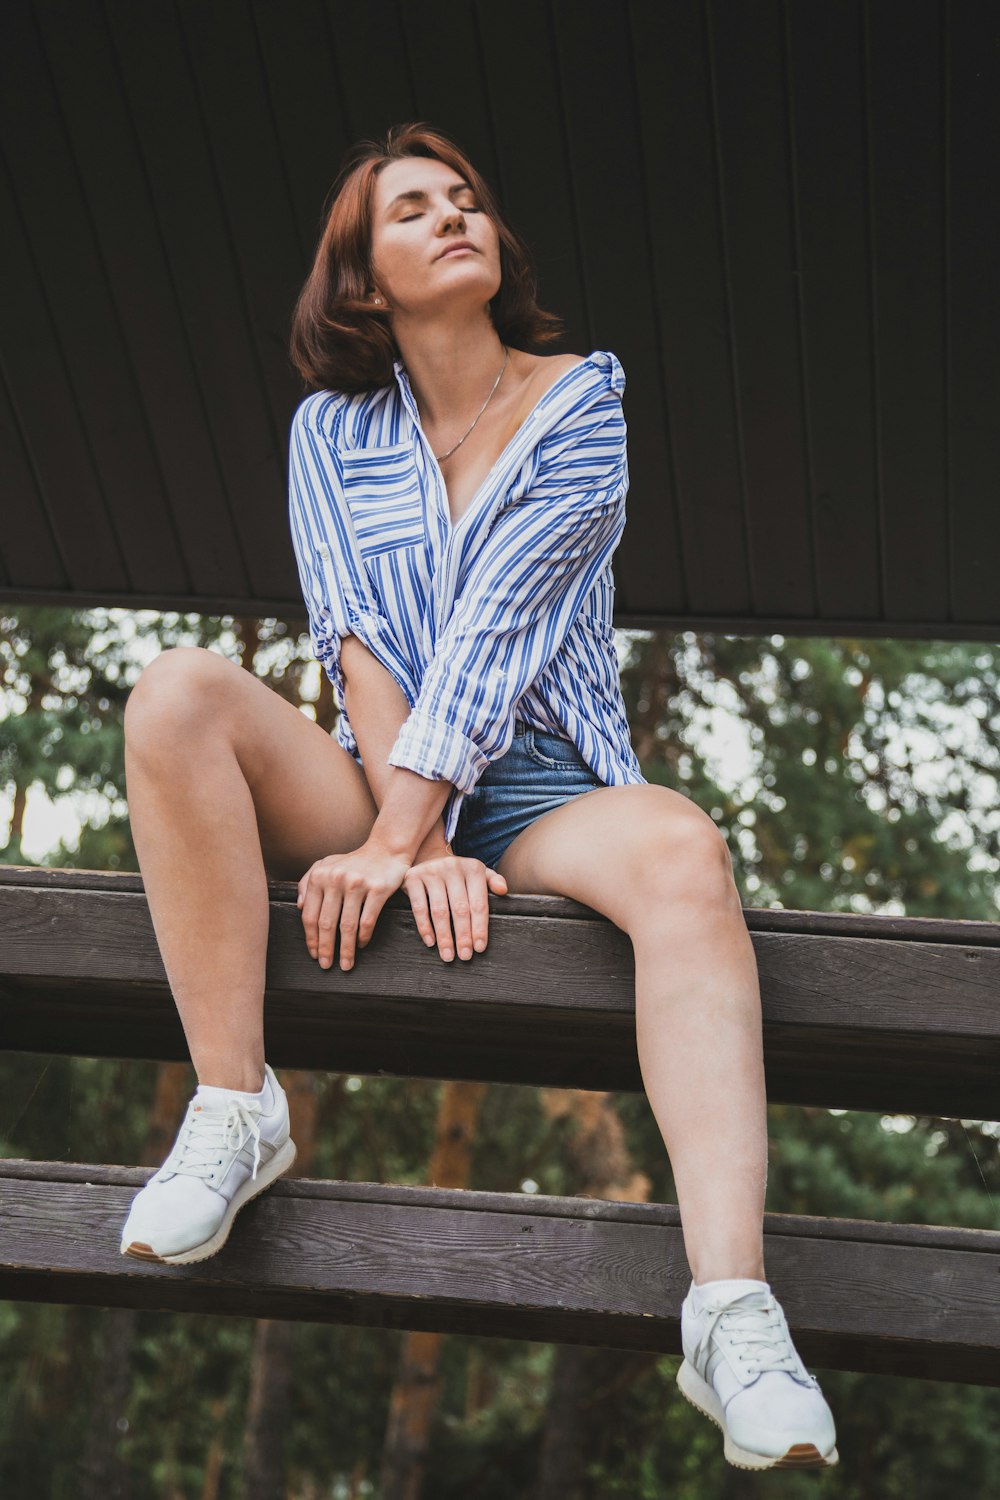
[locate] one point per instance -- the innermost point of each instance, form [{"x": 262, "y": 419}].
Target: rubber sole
[
  {"x": 280, "y": 1163},
  {"x": 796, "y": 1456}
]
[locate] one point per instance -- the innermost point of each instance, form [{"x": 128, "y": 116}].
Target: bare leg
[
  {"x": 227, "y": 784},
  {"x": 698, "y": 1034},
  {"x": 653, "y": 862}
]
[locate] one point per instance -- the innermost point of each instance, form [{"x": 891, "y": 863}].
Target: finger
[
  {"x": 373, "y": 904},
  {"x": 329, "y": 916},
  {"x": 349, "y": 915},
  {"x": 311, "y": 908},
  {"x": 461, "y": 912},
  {"x": 437, "y": 896},
  {"x": 479, "y": 905},
  {"x": 414, "y": 888},
  {"x": 497, "y": 882}
]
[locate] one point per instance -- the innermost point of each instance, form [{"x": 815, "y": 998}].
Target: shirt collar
[{"x": 403, "y": 382}]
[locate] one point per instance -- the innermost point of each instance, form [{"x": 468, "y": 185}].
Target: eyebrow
[{"x": 417, "y": 195}]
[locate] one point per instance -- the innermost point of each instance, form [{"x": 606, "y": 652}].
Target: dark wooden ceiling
[{"x": 783, "y": 218}]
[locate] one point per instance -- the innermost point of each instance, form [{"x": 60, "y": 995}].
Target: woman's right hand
[{"x": 453, "y": 890}]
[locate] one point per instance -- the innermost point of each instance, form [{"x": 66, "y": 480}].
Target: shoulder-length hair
[{"x": 339, "y": 340}]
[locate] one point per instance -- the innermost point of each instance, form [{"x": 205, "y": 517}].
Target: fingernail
[
  {"x": 480, "y": 946},
  {"x": 448, "y": 955},
  {"x": 429, "y": 941},
  {"x": 466, "y": 952},
  {"x": 344, "y": 964}
]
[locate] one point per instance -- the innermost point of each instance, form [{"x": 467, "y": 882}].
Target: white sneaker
[
  {"x": 741, "y": 1369},
  {"x": 227, "y": 1151}
]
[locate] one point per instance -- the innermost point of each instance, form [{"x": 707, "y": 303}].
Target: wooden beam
[
  {"x": 903, "y": 1299},
  {"x": 860, "y": 1012}
]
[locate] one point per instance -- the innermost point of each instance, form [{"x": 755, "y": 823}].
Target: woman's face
[{"x": 423, "y": 209}]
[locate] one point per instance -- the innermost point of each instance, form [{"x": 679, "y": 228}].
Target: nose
[{"x": 451, "y": 218}]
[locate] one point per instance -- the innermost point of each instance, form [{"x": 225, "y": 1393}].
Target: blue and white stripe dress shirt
[{"x": 508, "y": 613}]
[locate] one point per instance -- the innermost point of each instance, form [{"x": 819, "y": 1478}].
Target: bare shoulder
[
  {"x": 551, "y": 366},
  {"x": 541, "y": 371}
]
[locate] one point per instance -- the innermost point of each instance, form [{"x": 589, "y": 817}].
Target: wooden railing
[{"x": 860, "y": 1012}]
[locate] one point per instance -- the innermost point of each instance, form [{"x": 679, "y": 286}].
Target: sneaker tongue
[
  {"x": 752, "y": 1299},
  {"x": 211, "y": 1097},
  {"x": 748, "y": 1293}
]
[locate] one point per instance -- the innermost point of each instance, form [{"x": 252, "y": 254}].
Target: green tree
[{"x": 870, "y": 785}]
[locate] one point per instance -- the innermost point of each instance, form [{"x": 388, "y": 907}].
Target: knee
[
  {"x": 175, "y": 692},
  {"x": 684, "y": 859}
]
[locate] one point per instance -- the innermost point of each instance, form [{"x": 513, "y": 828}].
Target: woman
[{"x": 455, "y": 502}]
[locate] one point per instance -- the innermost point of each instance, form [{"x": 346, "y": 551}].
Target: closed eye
[{"x": 471, "y": 209}]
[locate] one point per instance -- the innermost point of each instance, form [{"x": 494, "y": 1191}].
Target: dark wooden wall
[{"x": 782, "y": 217}]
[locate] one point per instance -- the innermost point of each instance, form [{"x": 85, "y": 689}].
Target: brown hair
[{"x": 340, "y": 341}]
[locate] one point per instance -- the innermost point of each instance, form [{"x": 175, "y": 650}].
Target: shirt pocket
[{"x": 382, "y": 489}]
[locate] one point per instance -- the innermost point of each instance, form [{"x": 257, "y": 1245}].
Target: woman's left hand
[
  {"x": 452, "y": 889},
  {"x": 347, "y": 891}
]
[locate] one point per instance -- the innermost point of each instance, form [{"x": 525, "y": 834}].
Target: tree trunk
[
  {"x": 104, "y": 1471},
  {"x": 269, "y": 1404},
  {"x": 584, "y": 1377},
  {"x": 563, "y": 1460},
  {"x": 216, "y": 1453},
  {"x": 415, "y": 1393},
  {"x": 17, "y": 818},
  {"x": 103, "y": 1475},
  {"x": 268, "y": 1410}
]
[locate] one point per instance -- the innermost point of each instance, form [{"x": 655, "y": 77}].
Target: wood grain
[
  {"x": 893, "y": 1014},
  {"x": 904, "y": 1299}
]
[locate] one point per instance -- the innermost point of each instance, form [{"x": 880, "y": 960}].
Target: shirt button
[{"x": 324, "y": 550}]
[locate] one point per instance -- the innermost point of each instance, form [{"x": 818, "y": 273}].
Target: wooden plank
[
  {"x": 154, "y": 448},
  {"x": 308, "y": 107},
  {"x": 591, "y": 44},
  {"x": 849, "y": 1022},
  {"x": 758, "y": 918},
  {"x": 755, "y": 188},
  {"x": 829, "y": 190},
  {"x": 225, "y": 55},
  {"x": 454, "y": 98},
  {"x": 905, "y": 86},
  {"x": 56, "y": 215},
  {"x": 246, "y": 449},
  {"x": 28, "y": 550},
  {"x": 912, "y": 1300},
  {"x": 972, "y": 306},
  {"x": 40, "y": 382},
  {"x": 376, "y": 85},
  {"x": 674, "y": 103},
  {"x": 532, "y": 153}
]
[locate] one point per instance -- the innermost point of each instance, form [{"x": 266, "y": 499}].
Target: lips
[{"x": 458, "y": 245}]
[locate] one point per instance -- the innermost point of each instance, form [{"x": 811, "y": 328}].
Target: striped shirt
[{"x": 508, "y": 613}]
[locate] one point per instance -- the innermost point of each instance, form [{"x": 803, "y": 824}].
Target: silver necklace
[{"x": 442, "y": 456}]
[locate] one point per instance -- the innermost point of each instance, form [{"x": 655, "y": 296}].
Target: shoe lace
[
  {"x": 196, "y": 1153},
  {"x": 757, "y": 1334}
]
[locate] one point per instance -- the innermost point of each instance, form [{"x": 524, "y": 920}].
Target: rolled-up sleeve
[
  {"x": 520, "y": 597},
  {"x": 335, "y": 588}
]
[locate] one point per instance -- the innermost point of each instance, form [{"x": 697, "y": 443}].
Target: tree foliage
[{"x": 869, "y": 783}]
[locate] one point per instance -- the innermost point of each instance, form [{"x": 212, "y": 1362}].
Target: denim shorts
[{"x": 539, "y": 772}]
